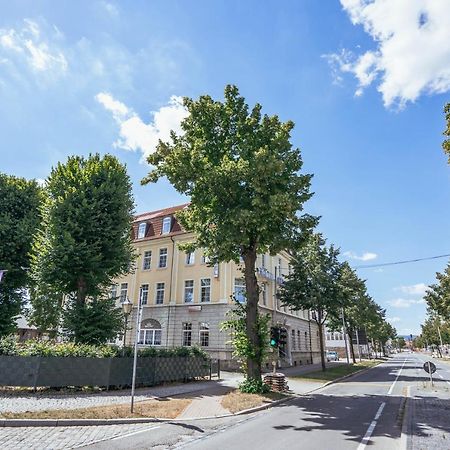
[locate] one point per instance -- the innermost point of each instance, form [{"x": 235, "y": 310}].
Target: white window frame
[
  {"x": 147, "y": 258},
  {"x": 113, "y": 291},
  {"x": 141, "y": 230},
  {"x": 188, "y": 289},
  {"x": 203, "y": 331},
  {"x": 205, "y": 259},
  {"x": 144, "y": 293},
  {"x": 158, "y": 290},
  {"x": 161, "y": 255},
  {"x": 166, "y": 225},
  {"x": 150, "y": 336},
  {"x": 240, "y": 284},
  {"x": 202, "y": 288},
  {"x": 263, "y": 260},
  {"x": 123, "y": 292},
  {"x": 190, "y": 258},
  {"x": 264, "y": 294},
  {"x": 186, "y": 331}
]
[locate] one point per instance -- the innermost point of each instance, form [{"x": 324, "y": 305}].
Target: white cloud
[
  {"x": 134, "y": 133},
  {"x": 412, "y": 54},
  {"x": 366, "y": 256},
  {"x": 26, "y": 44},
  {"x": 415, "y": 289},
  {"x": 111, "y": 9},
  {"x": 393, "y": 319},
  {"x": 405, "y": 302}
]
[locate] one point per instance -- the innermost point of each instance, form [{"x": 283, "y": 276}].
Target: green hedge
[{"x": 10, "y": 347}]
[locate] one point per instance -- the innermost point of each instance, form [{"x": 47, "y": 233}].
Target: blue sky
[{"x": 364, "y": 81}]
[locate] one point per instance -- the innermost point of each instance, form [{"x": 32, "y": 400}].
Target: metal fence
[{"x": 37, "y": 371}]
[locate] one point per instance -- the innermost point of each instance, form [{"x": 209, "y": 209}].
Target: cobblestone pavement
[
  {"x": 20, "y": 401},
  {"x": 54, "y": 438}
]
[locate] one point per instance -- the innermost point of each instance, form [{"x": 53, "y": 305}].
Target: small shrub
[{"x": 253, "y": 386}]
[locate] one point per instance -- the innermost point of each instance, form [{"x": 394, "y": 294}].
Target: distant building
[{"x": 185, "y": 299}]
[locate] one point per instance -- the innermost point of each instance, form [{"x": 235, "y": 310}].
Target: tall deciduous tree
[
  {"x": 446, "y": 143},
  {"x": 243, "y": 177},
  {"x": 19, "y": 217},
  {"x": 314, "y": 283},
  {"x": 438, "y": 294},
  {"x": 85, "y": 238}
]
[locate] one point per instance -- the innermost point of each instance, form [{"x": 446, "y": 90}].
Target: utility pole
[
  {"x": 345, "y": 335},
  {"x": 357, "y": 343},
  {"x": 138, "y": 332}
]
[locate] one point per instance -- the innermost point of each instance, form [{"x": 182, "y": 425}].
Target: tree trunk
[
  {"x": 321, "y": 343},
  {"x": 81, "y": 290},
  {"x": 252, "y": 294},
  {"x": 350, "y": 343}
]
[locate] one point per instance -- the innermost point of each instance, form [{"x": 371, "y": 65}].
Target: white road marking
[
  {"x": 396, "y": 378},
  {"x": 372, "y": 426},
  {"x": 134, "y": 432}
]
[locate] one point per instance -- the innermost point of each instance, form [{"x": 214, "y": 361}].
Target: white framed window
[
  {"x": 205, "y": 259},
  {"x": 239, "y": 290},
  {"x": 162, "y": 258},
  {"x": 113, "y": 291},
  {"x": 205, "y": 290},
  {"x": 147, "y": 260},
  {"x": 263, "y": 260},
  {"x": 150, "y": 336},
  {"x": 144, "y": 294},
  {"x": 293, "y": 339},
  {"x": 141, "y": 230},
  {"x": 159, "y": 293},
  {"x": 123, "y": 292},
  {"x": 204, "y": 334},
  {"x": 190, "y": 258},
  {"x": 187, "y": 334},
  {"x": 188, "y": 291},
  {"x": 264, "y": 294},
  {"x": 166, "y": 225}
]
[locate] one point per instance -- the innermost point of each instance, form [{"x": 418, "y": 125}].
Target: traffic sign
[{"x": 429, "y": 367}]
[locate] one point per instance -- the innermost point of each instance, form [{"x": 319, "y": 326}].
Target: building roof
[{"x": 154, "y": 221}]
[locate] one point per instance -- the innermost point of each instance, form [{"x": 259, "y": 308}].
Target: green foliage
[
  {"x": 430, "y": 331},
  {"x": 243, "y": 178},
  {"x": 19, "y": 217},
  {"x": 242, "y": 346},
  {"x": 253, "y": 386},
  {"x": 85, "y": 239},
  {"x": 314, "y": 281},
  {"x": 10, "y": 347},
  {"x": 438, "y": 294},
  {"x": 96, "y": 322},
  {"x": 446, "y": 143}
]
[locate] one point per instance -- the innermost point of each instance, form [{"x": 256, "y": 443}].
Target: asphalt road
[{"x": 366, "y": 410}]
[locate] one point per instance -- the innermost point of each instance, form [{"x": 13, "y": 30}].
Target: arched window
[{"x": 150, "y": 333}]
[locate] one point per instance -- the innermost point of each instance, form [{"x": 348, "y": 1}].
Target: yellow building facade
[{"x": 185, "y": 299}]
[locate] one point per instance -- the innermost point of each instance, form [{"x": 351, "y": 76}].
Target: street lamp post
[
  {"x": 126, "y": 308},
  {"x": 138, "y": 331}
]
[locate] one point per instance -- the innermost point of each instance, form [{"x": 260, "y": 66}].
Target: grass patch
[
  {"x": 236, "y": 401},
  {"x": 163, "y": 408},
  {"x": 341, "y": 370}
]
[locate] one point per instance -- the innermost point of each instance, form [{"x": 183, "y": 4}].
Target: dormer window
[
  {"x": 166, "y": 225},
  {"x": 141, "y": 230}
]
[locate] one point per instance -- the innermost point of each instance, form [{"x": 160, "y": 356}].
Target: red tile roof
[{"x": 154, "y": 220}]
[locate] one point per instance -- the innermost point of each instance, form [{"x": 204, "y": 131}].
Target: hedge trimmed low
[{"x": 10, "y": 347}]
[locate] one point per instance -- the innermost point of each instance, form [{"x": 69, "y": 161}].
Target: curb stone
[{"x": 137, "y": 420}]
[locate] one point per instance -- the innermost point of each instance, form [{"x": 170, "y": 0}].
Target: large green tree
[
  {"x": 314, "y": 283},
  {"x": 446, "y": 143},
  {"x": 19, "y": 217},
  {"x": 243, "y": 178},
  {"x": 85, "y": 238},
  {"x": 438, "y": 294}
]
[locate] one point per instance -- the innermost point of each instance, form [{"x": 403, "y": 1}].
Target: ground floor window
[
  {"x": 150, "y": 336},
  {"x": 187, "y": 334},
  {"x": 293, "y": 339},
  {"x": 239, "y": 290},
  {"x": 204, "y": 335}
]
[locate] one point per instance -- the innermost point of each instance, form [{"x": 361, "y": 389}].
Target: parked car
[{"x": 332, "y": 356}]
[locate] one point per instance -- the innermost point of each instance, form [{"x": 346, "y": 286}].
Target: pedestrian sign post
[{"x": 430, "y": 368}]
